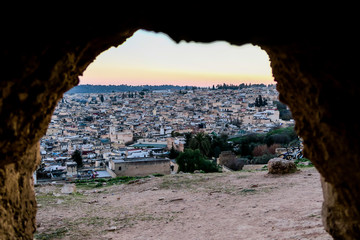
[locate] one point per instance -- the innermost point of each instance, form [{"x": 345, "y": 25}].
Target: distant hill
[{"x": 122, "y": 88}]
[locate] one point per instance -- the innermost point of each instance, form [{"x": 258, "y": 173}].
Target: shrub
[
  {"x": 303, "y": 162},
  {"x": 76, "y": 157},
  {"x": 273, "y": 148},
  {"x": 253, "y": 144},
  {"x": 260, "y": 150},
  {"x": 264, "y": 159},
  {"x": 173, "y": 153},
  {"x": 208, "y": 166},
  {"x": 191, "y": 160},
  {"x": 158, "y": 175},
  {"x": 281, "y": 136},
  {"x": 237, "y": 164},
  {"x": 245, "y": 160},
  {"x": 278, "y": 138},
  {"x": 228, "y": 159}
]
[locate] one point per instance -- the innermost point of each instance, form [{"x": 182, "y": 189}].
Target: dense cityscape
[{"x": 112, "y": 129}]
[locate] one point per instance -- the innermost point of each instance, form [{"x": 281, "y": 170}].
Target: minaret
[{"x": 112, "y": 131}]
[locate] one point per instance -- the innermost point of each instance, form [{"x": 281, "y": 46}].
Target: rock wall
[
  {"x": 315, "y": 80},
  {"x": 36, "y": 74},
  {"x": 311, "y": 63},
  {"x": 17, "y": 197}
]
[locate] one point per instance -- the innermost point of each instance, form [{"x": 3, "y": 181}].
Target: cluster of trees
[
  {"x": 87, "y": 88},
  {"x": 285, "y": 113},
  {"x": 253, "y": 148},
  {"x": 237, "y": 122},
  {"x": 131, "y": 94},
  {"x": 260, "y": 102},
  {"x": 209, "y": 145},
  {"x": 198, "y": 149},
  {"x": 260, "y": 148},
  {"x": 241, "y": 86},
  {"x": 76, "y": 157},
  {"x": 191, "y": 160}
]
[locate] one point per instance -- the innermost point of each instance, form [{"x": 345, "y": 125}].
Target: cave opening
[
  {"x": 312, "y": 62},
  {"x": 89, "y": 105}
]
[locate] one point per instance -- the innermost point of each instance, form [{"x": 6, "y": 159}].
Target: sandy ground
[{"x": 236, "y": 205}]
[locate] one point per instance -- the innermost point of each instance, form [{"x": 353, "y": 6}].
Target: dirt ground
[{"x": 235, "y": 205}]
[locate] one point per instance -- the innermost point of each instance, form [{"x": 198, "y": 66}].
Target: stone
[
  {"x": 229, "y": 160},
  {"x": 68, "y": 188},
  {"x": 47, "y": 189},
  {"x": 111, "y": 229},
  {"x": 281, "y": 166}
]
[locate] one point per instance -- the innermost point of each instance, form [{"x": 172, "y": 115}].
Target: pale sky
[{"x": 154, "y": 59}]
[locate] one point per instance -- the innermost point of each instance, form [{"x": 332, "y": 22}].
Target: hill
[
  {"x": 234, "y": 205},
  {"x": 122, "y": 88}
]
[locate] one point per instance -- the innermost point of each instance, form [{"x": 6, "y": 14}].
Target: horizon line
[{"x": 139, "y": 85}]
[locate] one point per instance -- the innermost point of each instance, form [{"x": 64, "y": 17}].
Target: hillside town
[{"x": 131, "y": 133}]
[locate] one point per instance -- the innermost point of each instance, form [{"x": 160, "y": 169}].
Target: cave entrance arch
[
  {"x": 314, "y": 73},
  {"x": 127, "y": 97}
]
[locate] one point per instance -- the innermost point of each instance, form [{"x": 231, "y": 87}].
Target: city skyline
[{"x": 149, "y": 58}]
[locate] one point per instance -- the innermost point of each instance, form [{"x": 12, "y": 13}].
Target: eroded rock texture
[
  {"x": 310, "y": 61},
  {"x": 17, "y": 198},
  {"x": 316, "y": 81},
  {"x": 281, "y": 166}
]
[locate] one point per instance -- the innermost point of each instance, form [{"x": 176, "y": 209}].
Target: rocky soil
[{"x": 235, "y": 205}]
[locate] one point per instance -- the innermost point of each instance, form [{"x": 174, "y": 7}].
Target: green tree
[
  {"x": 260, "y": 102},
  {"x": 173, "y": 153},
  {"x": 101, "y": 97},
  {"x": 191, "y": 160},
  {"x": 285, "y": 114},
  {"x": 188, "y": 137},
  {"x": 175, "y": 134},
  {"x": 202, "y": 142},
  {"x": 257, "y": 102},
  {"x": 281, "y": 136},
  {"x": 89, "y": 118},
  {"x": 76, "y": 157},
  {"x": 219, "y": 144}
]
